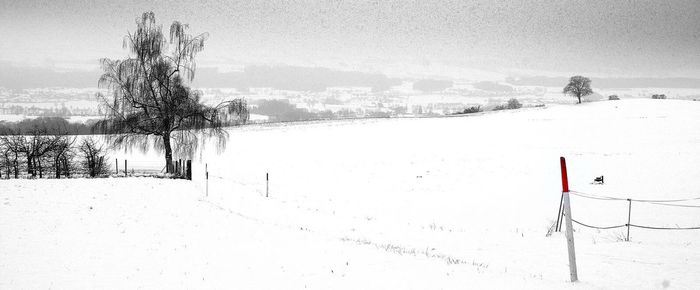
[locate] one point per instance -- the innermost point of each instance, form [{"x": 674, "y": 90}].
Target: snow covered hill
[{"x": 446, "y": 203}]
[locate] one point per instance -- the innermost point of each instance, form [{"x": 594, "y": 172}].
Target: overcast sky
[{"x": 456, "y": 39}]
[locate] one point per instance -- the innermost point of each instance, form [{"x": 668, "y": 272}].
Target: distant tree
[
  {"x": 283, "y": 111},
  {"x": 578, "y": 87},
  {"x": 514, "y": 104},
  {"x": 273, "y": 107},
  {"x": 151, "y": 105}
]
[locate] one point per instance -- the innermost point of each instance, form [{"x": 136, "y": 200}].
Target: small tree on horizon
[
  {"x": 578, "y": 87},
  {"x": 151, "y": 104}
]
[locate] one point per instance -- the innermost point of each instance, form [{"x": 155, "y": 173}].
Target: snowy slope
[{"x": 461, "y": 202}]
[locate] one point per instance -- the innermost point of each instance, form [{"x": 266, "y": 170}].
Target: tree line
[
  {"x": 39, "y": 155},
  {"x": 47, "y": 125}
]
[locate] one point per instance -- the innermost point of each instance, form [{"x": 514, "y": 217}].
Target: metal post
[
  {"x": 629, "y": 217},
  {"x": 557, "y": 225},
  {"x": 116, "y": 163},
  {"x": 569, "y": 225},
  {"x": 267, "y": 184}
]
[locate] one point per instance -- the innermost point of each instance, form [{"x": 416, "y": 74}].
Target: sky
[{"x": 460, "y": 40}]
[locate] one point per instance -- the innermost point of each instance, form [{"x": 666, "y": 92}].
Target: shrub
[
  {"x": 514, "y": 104},
  {"x": 470, "y": 110},
  {"x": 659, "y": 96},
  {"x": 613, "y": 98},
  {"x": 500, "y": 107}
]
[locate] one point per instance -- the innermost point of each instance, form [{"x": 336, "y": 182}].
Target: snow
[{"x": 443, "y": 203}]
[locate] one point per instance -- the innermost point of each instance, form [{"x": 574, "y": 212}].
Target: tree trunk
[
  {"x": 168, "y": 153},
  {"x": 41, "y": 169},
  {"x": 91, "y": 166},
  {"x": 30, "y": 166},
  {"x": 57, "y": 165},
  {"x": 66, "y": 170},
  {"x": 16, "y": 167},
  {"x": 579, "y": 99}
]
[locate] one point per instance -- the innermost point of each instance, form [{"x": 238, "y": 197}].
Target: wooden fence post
[
  {"x": 569, "y": 229},
  {"x": 267, "y": 184},
  {"x": 189, "y": 170},
  {"x": 116, "y": 164},
  {"x": 126, "y": 172}
]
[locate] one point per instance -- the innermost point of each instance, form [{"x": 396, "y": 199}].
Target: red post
[
  {"x": 569, "y": 220},
  {"x": 564, "y": 177}
]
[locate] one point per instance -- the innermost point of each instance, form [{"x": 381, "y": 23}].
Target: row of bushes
[
  {"x": 511, "y": 105},
  {"x": 654, "y": 96},
  {"x": 40, "y": 155}
]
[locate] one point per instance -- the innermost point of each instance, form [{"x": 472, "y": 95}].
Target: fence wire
[
  {"x": 661, "y": 202},
  {"x": 601, "y": 197},
  {"x": 597, "y": 227}
]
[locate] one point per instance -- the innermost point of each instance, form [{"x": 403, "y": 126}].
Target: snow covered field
[{"x": 446, "y": 203}]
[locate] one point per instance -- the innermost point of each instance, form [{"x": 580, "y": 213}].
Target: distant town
[{"x": 409, "y": 99}]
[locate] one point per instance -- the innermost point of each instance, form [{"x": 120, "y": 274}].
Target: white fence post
[{"x": 569, "y": 228}]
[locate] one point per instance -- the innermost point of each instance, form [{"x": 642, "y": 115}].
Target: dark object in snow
[{"x": 599, "y": 180}]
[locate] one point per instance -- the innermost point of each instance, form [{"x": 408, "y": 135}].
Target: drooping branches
[{"x": 149, "y": 96}]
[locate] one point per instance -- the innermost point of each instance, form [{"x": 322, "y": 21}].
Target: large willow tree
[{"x": 150, "y": 105}]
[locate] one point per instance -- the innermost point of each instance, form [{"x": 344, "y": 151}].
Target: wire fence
[
  {"x": 682, "y": 203},
  {"x": 218, "y": 183},
  {"x": 601, "y": 197}
]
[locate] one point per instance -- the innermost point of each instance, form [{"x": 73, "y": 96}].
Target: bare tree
[
  {"x": 62, "y": 155},
  {"x": 37, "y": 148},
  {"x": 4, "y": 160},
  {"x": 93, "y": 155},
  {"x": 151, "y": 105},
  {"x": 578, "y": 87},
  {"x": 13, "y": 147}
]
